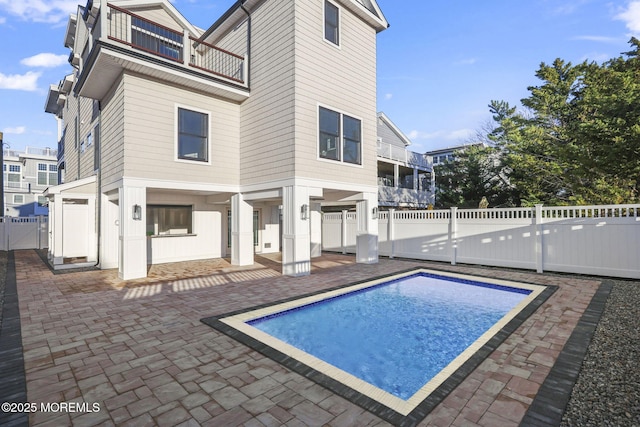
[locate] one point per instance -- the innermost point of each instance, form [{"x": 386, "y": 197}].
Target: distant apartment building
[
  {"x": 26, "y": 175},
  {"x": 448, "y": 154}
]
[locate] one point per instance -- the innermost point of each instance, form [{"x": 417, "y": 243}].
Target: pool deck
[{"x": 139, "y": 349}]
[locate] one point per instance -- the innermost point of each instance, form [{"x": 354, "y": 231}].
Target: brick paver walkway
[{"x": 139, "y": 350}]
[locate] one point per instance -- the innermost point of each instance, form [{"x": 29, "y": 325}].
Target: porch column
[
  {"x": 92, "y": 254},
  {"x": 296, "y": 241},
  {"x": 241, "y": 231},
  {"x": 132, "y": 262},
  {"x": 316, "y": 229},
  {"x": 56, "y": 230},
  {"x": 367, "y": 231}
]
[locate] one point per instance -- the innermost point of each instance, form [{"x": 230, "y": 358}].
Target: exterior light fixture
[
  {"x": 137, "y": 212},
  {"x": 304, "y": 212}
]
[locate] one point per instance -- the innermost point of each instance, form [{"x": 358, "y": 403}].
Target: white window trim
[
  {"x": 317, "y": 136},
  {"x": 324, "y": 34},
  {"x": 176, "y": 136}
]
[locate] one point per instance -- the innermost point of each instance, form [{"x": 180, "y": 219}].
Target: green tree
[{"x": 475, "y": 172}]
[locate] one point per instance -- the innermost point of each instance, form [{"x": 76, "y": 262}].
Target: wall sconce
[
  {"x": 304, "y": 212},
  {"x": 137, "y": 212},
  {"x": 374, "y": 213}
]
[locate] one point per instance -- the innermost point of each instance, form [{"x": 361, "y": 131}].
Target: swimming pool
[{"x": 395, "y": 339}]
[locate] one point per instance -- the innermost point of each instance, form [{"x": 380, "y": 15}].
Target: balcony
[
  {"x": 399, "y": 154},
  {"x": 404, "y": 197},
  {"x": 121, "y": 40}
]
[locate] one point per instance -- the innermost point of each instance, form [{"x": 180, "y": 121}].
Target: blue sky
[{"x": 439, "y": 64}]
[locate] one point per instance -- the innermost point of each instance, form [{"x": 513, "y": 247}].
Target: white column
[
  {"x": 391, "y": 231},
  {"x": 453, "y": 231},
  {"x": 92, "y": 254},
  {"x": 315, "y": 212},
  {"x": 367, "y": 231},
  {"x": 296, "y": 240},
  {"x": 241, "y": 231},
  {"x": 538, "y": 234},
  {"x": 56, "y": 229},
  {"x": 133, "y": 233}
]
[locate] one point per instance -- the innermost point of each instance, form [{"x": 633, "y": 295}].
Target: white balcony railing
[{"x": 393, "y": 152}]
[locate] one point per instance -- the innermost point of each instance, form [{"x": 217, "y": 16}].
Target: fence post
[
  {"x": 343, "y": 234},
  {"x": 538, "y": 234},
  {"x": 453, "y": 228},
  {"x": 391, "y": 232}
]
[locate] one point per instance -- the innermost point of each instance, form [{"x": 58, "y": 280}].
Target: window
[
  {"x": 164, "y": 220},
  {"x": 154, "y": 38},
  {"x": 331, "y": 23},
  {"x": 14, "y": 176},
  {"x": 193, "y": 135},
  {"x": 47, "y": 174},
  {"x": 340, "y": 137},
  {"x": 18, "y": 199},
  {"x": 42, "y": 201}
]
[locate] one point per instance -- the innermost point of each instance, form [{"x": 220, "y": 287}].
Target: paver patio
[{"x": 139, "y": 349}]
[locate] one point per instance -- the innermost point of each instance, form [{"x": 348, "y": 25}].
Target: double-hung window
[
  {"x": 193, "y": 135},
  {"x": 331, "y": 23},
  {"x": 14, "y": 176},
  {"x": 47, "y": 174},
  {"x": 340, "y": 137}
]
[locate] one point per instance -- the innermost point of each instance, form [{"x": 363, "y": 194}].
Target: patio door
[{"x": 256, "y": 230}]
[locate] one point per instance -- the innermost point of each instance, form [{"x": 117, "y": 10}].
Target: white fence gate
[
  {"x": 600, "y": 240},
  {"x": 24, "y": 233}
]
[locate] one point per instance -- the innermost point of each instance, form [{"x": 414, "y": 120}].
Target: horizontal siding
[
  {"x": 267, "y": 126},
  {"x": 341, "y": 78},
  {"x": 112, "y": 136},
  {"x": 150, "y": 109},
  {"x": 158, "y": 15}
]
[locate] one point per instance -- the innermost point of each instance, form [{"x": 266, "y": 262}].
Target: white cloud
[
  {"x": 46, "y": 60},
  {"x": 602, "y": 39},
  {"x": 2, "y": 20},
  {"x": 631, "y": 17},
  {"x": 53, "y": 11},
  {"x": 15, "y": 131},
  {"x": 27, "y": 81},
  {"x": 388, "y": 96}
]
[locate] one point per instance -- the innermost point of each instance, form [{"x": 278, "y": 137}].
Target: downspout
[
  {"x": 98, "y": 146},
  {"x": 248, "y": 78}
]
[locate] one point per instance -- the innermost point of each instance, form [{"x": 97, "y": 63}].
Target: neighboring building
[
  {"x": 26, "y": 175},
  {"x": 449, "y": 154},
  {"x": 178, "y": 143},
  {"x": 405, "y": 178}
]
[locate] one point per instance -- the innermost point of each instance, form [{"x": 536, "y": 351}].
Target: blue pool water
[{"x": 396, "y": 335}]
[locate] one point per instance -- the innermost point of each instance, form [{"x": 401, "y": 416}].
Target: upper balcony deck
[
  {"x": 118, "y": 39},
  {"x": 402, "y": 155}
]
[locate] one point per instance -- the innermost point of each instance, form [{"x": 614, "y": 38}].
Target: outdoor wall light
[
  {"x": 137, "y": 212},
  {"x": 374, "y": 213},
  {"x": 304, "y": 212}
]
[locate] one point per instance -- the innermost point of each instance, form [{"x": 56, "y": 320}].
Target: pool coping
[{"x": 422, "y": 409}]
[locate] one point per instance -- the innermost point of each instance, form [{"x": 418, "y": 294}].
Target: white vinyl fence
[
  {"x": 24, "y": 233},
  {"x": 599, "y": 240}
]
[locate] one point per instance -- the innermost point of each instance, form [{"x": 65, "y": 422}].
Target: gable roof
[
  {"x": 366, "y": 9},
  {"x": 387, "y": 121},
  {"x": 166, "y": 5}
]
